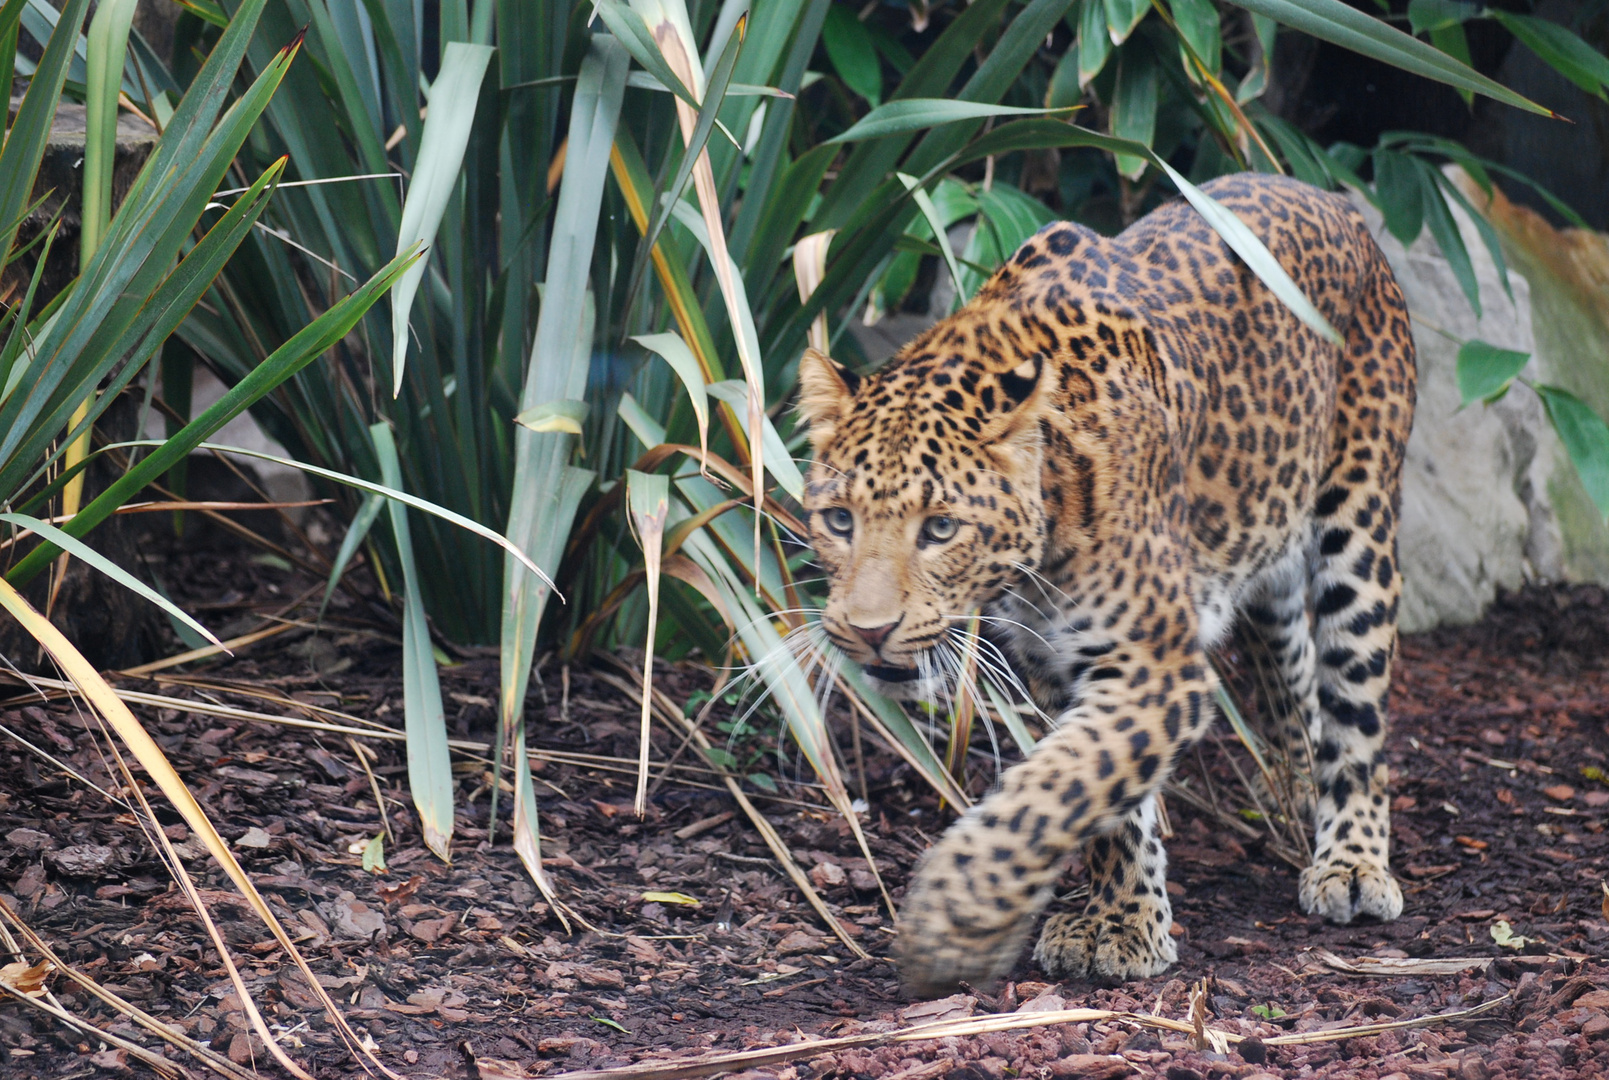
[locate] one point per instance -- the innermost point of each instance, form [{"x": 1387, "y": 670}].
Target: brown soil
[{"x": 1499, "y": 764}]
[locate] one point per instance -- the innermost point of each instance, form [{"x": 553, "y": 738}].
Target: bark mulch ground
[{"x": 1501, "y": 791}]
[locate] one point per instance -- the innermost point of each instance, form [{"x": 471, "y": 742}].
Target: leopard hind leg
[
  {"x": 1355, "y": 589},
  {"x": 1274, "y": 637},
  {"x": 1124, "y": 930}
]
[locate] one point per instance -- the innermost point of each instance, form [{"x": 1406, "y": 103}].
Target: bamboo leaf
[
  {"x": 430, "y": 773},
  {"x": 454, "y": 96},
  {"x": 1255, "y": 84},
  {"x": 934, "y": 222},
  {"x": 1560, "y": 49},
  {"x": 852, "y": 53},
  {"x": 1198, "y": 22},
  {"x": 1429, "y": 15},
  {"x": 1134, "y": 107},
  {"x": 1245, "y": 244},
  {"x": 1398, "y": 184},
  {"x": 1485, "y": 372},
  {"x": 1447, "y": 234},
  {"x": 1122, "y": 16},
  {"x": 1336, "y": 22},
  {"x": 1094, "y": 44},
  {"x": 1585, "y": 437}
]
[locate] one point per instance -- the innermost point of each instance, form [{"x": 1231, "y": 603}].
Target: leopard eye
[
  {"x": 839, "y": 521},
  {"x": 938, "y": 530}
]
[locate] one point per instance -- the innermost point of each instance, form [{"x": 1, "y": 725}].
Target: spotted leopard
[{"x": 1120, "y": 447}]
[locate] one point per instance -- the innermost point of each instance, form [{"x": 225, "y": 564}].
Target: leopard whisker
[
  {"x": 995, "y": 662},
  {"x": 999, "y": 619},
  {"x": 1025, "y": 602}
]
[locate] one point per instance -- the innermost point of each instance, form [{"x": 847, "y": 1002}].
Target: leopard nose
[{"x": 874, "y": 636}]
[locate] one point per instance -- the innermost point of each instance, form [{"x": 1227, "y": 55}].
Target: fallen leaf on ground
[{"x": 670, "y": 898}]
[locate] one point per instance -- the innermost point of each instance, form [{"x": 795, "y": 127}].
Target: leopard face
[{"x": 920, "y": 515}]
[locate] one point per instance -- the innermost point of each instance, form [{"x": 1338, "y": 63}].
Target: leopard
[{"x": 1121, "y": 450}]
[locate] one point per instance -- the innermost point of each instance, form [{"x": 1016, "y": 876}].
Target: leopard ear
[
  {"x": 825, "y": 388},
  {"x": 1026, "y": 390}
]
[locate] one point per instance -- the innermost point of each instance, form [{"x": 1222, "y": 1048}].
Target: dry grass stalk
[
  {"x": 711, "y": 1064},
  {"x": 173, "y": 1036}
]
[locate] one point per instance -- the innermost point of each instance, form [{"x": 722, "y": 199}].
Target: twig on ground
[{"x": 981, "y": 1025}]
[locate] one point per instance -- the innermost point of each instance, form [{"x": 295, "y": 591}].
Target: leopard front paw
[
  {"x": 1341, "y": 891},
  {"x": 946, "y": 938},
  {"x": 1110, "y": 945}
]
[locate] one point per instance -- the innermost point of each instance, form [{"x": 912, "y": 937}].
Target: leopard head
[{"x": 923, "y": 503}]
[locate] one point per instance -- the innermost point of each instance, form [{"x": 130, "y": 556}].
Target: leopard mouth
[{"x": 891, "y": 674}]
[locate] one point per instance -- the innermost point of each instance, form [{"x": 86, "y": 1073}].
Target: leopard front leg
[
  {"x": 1122, "y": 933},
  {"x": 972, "y": 902}
]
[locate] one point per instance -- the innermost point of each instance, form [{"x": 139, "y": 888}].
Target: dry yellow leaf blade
[{"x": 111, "y": 708}]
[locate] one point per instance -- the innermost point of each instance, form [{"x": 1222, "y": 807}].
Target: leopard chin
[{"x": 906, "y": 684}]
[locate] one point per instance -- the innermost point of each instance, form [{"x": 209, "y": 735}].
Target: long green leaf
[
  {"x": 25, "y": 141},
  {"x": 1336, "y": 22},
  {"x": 88, "y": 555},
  {"x": 778, "y": 461},
  {"x": 648, "y": 501},
  {"x": 312, "y": 342},
  {"x": 1134, "y": 105},
  {"x": 108, "y": 46},
  {"x": 430, "y": 773},
  {"x": 632, "y": 33},
  {"x": 675, "y": 352},
  {"x": 547, "y": 489},
  {"x": 1398, "y": 183},
  {"x": 77, "y": 349},
  {"x": 1448, "y": 237},
  {"x": 1560, "y": 49},
  {"x": 355, "y": 534},
  {"x": 1245, "y": 244},
  {"x": 915, "y": 114},
  {"x": 936, "y": 224},
  {"x": 852, "y": 54},
  {"x": 453, "y": 98},
  {"x": 1094, "y": 43},
  {"x": 156, "y": 318},
  {"x": 708, "y": 111}
]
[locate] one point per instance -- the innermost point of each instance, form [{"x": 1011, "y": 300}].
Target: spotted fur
[{"x": 1117, "y": 449}]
